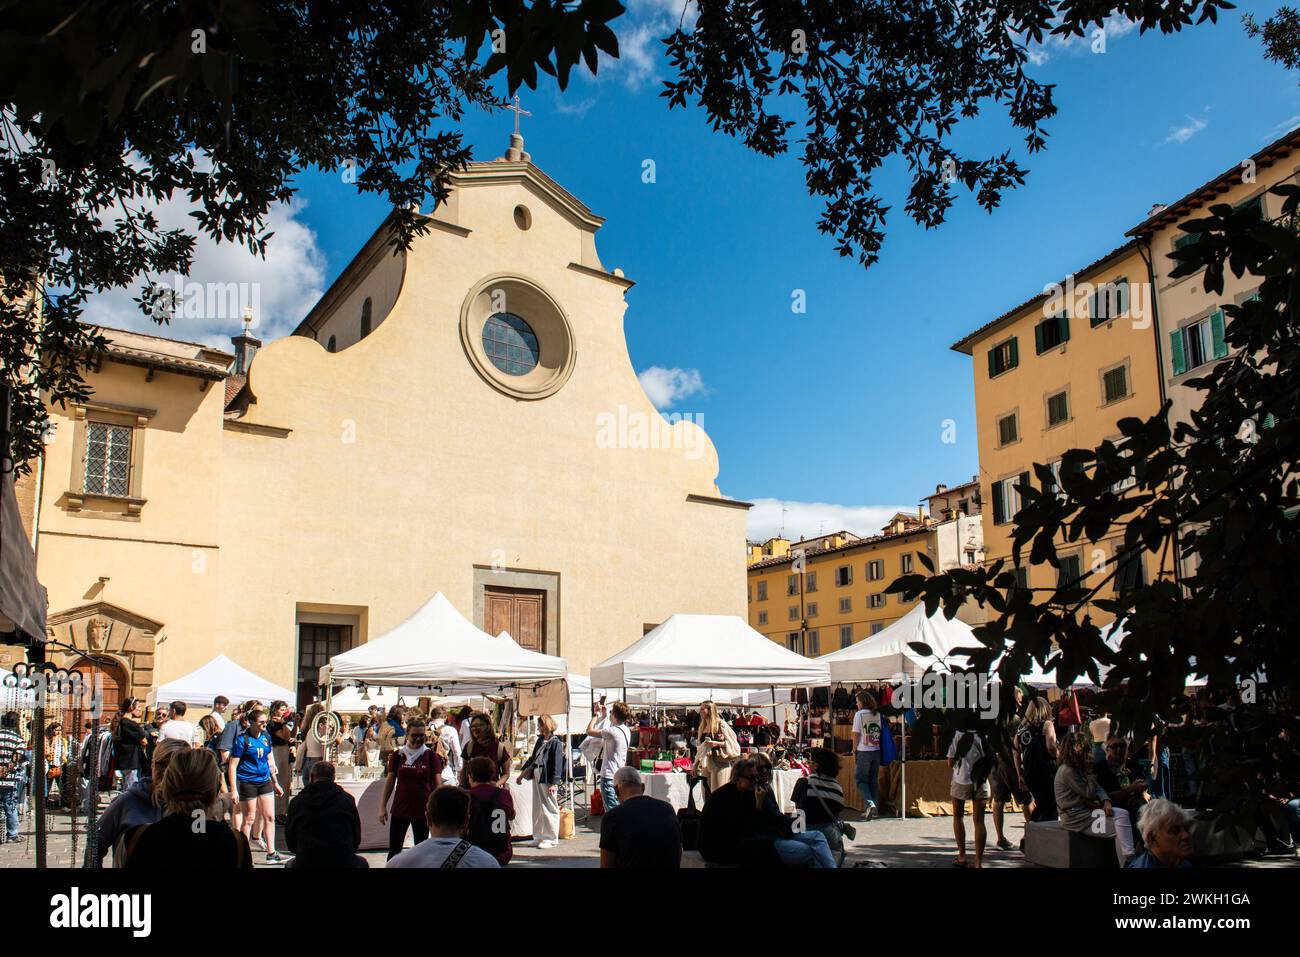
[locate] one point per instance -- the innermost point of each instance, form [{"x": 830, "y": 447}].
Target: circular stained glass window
[{"x": 510, "y": 343}]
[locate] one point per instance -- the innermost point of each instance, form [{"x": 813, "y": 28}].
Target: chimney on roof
[
  {"x": 1156, "y": 208},
  {"x": 246, "y": 345},
  {"x": 940, "y": 489}
]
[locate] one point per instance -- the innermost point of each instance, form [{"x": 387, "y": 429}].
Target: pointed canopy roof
[
  {"x": 888, "y": 653},
  {"x": 439, "y": 646},
  {"x": 220, "y": 676},
  {"x": 707, "y": 651}
]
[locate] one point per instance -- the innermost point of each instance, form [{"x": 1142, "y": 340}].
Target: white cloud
[
  {"x": 284, "y": 285},
  {"x": 667, "y": 387},
  {"x": 639, "y": 30},
  {"x": 810, "y": 519},
  {"x": 1181, "y": 134},
  {"x": 1285, "y": 126},
  {"x": 1113, "y": 27}
]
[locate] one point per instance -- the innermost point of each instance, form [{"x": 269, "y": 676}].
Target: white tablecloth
[
  {"x": 374, "y": 836},
  {"x": 671, "y": 787}
]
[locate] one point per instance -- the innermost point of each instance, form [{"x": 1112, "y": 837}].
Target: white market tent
[
  {"x": 354, "y": 700},
  {"x": 220, "y": 676},
  {"x": 888, "y": 653},
  {"x": 438, "y": 647},
  {"x": 707, "y": 652}
]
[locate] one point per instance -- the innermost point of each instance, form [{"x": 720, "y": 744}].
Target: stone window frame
[{"x": 105, "y": 413}]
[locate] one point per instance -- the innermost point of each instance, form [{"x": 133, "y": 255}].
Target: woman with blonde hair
[
  {"x": 545, "y": 768},
  {"x": 186, "y": 835},
  {"x": 138, "y": 805},
  {"x": 718, "y": 748}
]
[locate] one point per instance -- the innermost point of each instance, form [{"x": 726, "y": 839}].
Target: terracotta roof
[
  {"x": 847, "y": 546},
  {"x": 963, "y": 345},
  {"x": 233, "y": 386},
  {"x": 1207, "y": 192},
  {"x": 173, "y": 355}
]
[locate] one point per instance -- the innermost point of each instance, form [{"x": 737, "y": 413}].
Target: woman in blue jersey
[{"x": 253, "y": 780}]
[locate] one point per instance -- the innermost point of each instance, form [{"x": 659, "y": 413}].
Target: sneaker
[
  {"x": 545, "y": 844},
  {"x": 259, "y": 843},
  {"x": 1004, "y": 844},
  {"x": 275, "y": 858},
  {"x": 872, "y": 813}
]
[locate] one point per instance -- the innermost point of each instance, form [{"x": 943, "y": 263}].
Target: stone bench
[{"x": 1047, "y": 844}]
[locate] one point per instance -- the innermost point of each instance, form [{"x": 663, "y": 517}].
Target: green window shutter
[
  {"x": 1176, "y": 353},
  {"x": 999, "y": 509},
  {"x": 1038, "y": 338},
  {"x": 1015, "y": 353},
  {"x": 1064, "y": 322},
  {"x": 1216, "y": 334},
  {"x": 993, "y": 370}
]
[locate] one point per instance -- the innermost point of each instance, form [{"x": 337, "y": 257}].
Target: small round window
[{"x": 510, "y": 344}]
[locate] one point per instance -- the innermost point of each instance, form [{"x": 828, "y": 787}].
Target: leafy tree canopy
[
  {"x": 1216, "y": 497},
  {"x": 108, "y": 106}
]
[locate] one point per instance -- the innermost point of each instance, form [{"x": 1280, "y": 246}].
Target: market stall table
[{"x": 367, "y": 792}]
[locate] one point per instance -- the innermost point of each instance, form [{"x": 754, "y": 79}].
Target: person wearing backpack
[
  {"x": 414, "y": 773},
  {"x": 174, "y": 844},
  {"x": 491, "y": 810},
  {"x": 447, "y": 815}
]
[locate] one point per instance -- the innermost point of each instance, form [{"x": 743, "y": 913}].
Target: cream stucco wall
[
  {"x": 362, "y": 482},
  {"x": 404, "y": 469},
  {"x": 164, "y": 563}
]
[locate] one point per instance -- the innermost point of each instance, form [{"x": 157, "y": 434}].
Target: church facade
[{"x": 462, "y": 417}]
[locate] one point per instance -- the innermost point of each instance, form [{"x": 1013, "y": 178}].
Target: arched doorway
[{"x": 114, "y": 685}]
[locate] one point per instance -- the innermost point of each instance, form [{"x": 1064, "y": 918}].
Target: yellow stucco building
[
  {"x": 821, "y": 594},
  {"x": 462, "y": 417},
  {"x": 1116, "y": 339},
  {"x": 1055, "y": 373}
]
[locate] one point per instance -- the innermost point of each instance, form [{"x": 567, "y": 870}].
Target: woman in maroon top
[
  {"x": 483, "y": 743},
  {"x": 413, "y": 772}
]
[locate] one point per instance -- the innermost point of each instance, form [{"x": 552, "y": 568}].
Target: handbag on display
[{"x": 888, "y": 749}]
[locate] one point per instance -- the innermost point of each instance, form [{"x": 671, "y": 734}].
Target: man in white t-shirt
[
  {"x": 614, "y": 740},
  {"x": 962, "y": 790},
  {"x": 220, "y": 705},
  {"x": 446, "y": 847},
  {"x": 866, "y": 751},
  {"x": 176, "y": 728}
]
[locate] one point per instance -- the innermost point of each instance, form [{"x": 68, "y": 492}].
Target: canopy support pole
[{"x": 902, "y": 771}]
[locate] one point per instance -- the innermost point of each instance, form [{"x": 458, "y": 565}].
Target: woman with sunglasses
[
  {"x": 253, "y": 780},
  {"x": 483, "y": 743},
  {"x": 414, "y": 770}
]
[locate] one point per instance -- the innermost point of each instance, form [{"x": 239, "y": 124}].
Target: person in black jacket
[
  {"x": 129, "y": 742},
  {"x": 742, "y": 826},
  {"x": 324, "y": 828}
]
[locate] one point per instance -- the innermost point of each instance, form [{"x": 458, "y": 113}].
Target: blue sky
[{"x": 839, "y": 411}]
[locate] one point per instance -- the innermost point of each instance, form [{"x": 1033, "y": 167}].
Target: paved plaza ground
[{"x": 915, "y": 842}]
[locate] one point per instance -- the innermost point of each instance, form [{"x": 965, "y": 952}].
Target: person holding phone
[{"x": 610, "y": 725}]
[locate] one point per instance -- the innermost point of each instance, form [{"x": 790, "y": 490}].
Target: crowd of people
[
  {"x": 1092, "y": 783},
  {"x": 446, "y": 777}
]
